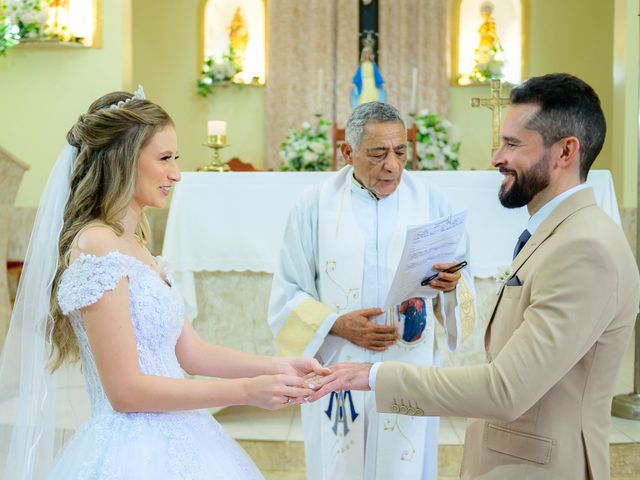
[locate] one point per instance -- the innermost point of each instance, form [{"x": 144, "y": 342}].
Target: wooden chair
[
  {"x": 338, "y": 139},
  {"x": 14, "y": 270},
  {"x": 237, "y": 165}
]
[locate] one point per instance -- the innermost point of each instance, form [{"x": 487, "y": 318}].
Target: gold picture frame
[
  {"x": 95, "y": 42},
  {"x": 200, "y": 41},
  {"x": 455, "y": 40}
]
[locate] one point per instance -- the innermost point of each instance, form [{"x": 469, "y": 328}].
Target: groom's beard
[{"x": 525, "y": 185}]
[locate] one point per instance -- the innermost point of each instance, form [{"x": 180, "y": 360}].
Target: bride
[{"x": 91, "y": 290}]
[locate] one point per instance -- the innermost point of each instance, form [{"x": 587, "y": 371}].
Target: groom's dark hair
[{"x": 569, "y": 107}]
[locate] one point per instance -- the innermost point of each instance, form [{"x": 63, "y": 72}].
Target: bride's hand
[{"x": 276, "y": 391}]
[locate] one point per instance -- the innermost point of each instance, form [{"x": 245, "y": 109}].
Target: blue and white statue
[{"x": 367, "y": 82}]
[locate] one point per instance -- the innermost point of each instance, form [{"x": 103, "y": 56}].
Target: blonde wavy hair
[{"x": 103, "y": 181}]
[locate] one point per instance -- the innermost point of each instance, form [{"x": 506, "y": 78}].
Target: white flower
[
  {"x": 309, "y": 157},
  {"x": 434, "y": 148},
  {"x": 42, "y": 18},
  {"x": 229, "y": 70},
  {"x": 502, "y": 275},
  {"x": 27, "y": 18},
  {"x": 308, "y": 148},
  {"x": 317, "y": 147},
  {"x": 421, "y": 149},
  {"x": 217, "y": 72},
  {"x": 438, "y": 160}
]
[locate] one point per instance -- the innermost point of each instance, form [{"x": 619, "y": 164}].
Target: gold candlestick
[{"x": 216, "y": 142}]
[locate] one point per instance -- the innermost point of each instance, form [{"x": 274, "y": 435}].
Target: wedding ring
[{"x": 288, "y": 400}]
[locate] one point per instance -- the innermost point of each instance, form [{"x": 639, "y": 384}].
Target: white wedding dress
[{"x": 143, "y": 446}]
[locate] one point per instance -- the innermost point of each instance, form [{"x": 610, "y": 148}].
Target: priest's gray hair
[{"x": 371, "y": 112}]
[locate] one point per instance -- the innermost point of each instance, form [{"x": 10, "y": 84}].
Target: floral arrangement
[
  {"x": 9, "y": 36},
  {"x": 434, "y": 149},
  {"x": 22, "y": 20},
  {"x": 488, "y": 64},
  {"x": 308, "y": 149},
  {"x": 218, "y": 71}
]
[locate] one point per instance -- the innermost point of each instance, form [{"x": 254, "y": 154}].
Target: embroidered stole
[{"x": 341, "y": 263}]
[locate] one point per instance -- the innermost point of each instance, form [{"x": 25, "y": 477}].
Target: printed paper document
[{"x": 424, "y": 246}]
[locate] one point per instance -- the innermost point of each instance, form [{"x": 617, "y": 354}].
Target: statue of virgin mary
[{"x": 367, "y": 82}]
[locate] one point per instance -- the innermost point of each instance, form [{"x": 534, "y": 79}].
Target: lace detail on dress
[
  {"x": 187, "y": 445},
  {"x": 156, "y": 310},
  {"x": 88, "y": 278}
]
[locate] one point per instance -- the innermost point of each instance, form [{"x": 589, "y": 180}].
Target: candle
[
  {"x": 414, "y": 88},
  {"x": 319, "y": 95},
  {"x": 217, "y": 127}
]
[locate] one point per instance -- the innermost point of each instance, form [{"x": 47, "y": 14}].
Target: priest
[{"x": 342, "y": 245}]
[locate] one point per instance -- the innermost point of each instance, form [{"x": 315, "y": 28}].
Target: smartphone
[{"x": 453, "y": 269}]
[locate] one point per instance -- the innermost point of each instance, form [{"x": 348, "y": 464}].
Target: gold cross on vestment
[{"x": 495, "y": 103}]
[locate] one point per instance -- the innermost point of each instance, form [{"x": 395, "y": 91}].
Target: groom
[{"x": 561, "y": 322}]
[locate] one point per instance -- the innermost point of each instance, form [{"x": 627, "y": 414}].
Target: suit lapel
[{"x": 579, "y": 200}]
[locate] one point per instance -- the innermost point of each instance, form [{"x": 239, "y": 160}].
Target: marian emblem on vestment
[
  {"x": 412, "y": 319},
  {"x": 344, "y": 411}
]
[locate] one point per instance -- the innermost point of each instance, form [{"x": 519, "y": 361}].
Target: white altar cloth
[{"x": 235, "y": 221}]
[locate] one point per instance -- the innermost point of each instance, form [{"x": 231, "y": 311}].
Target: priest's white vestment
[{"x": 340, "y": 251}]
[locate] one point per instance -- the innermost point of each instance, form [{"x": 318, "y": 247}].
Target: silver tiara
[{"x": 137, "y": 95}]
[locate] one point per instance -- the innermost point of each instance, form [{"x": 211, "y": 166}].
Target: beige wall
[
  {"x": 49, "y": 88},
  {"x": 574, "y": 36},
  {"x": 624, "y": 134},
  {"x": 594, "y": 40},
  {"x": 43, "y": 90},
  {"x": 165, "y": 61}
]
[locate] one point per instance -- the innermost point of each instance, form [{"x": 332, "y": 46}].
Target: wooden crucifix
[{"x": 495, "y": 103}]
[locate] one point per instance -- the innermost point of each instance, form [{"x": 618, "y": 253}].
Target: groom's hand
[
  {"x": 343, "y": 376},
  {"x": 301, "y": 367}
]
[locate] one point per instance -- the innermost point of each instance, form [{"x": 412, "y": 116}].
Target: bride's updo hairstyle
[{"x": 108, "y": 139}]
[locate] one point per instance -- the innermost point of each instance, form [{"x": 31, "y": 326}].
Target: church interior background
[{"x": 305, "y": 67}]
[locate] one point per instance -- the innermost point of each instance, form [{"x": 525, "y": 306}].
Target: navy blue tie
[{"x": 522, "y": 239}]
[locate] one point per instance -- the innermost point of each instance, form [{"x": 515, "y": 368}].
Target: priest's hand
[
  {"x": 273, "y": 392},
  {"x": 301, "y": 367},
  {"x": 344, "y": 376},
  {"x": 445, "y": 282},
  {"x": 357, "y": 327}
]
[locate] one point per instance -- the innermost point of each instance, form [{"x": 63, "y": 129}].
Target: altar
[{"x": 224, "y": 232}]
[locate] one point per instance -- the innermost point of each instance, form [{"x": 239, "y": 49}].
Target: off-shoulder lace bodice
[
  {"x": 183, "y": 445},
  {"x": 156, "y": 309}
]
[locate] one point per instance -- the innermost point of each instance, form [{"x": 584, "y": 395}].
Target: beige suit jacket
[{"x": 554, "y": 346}]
